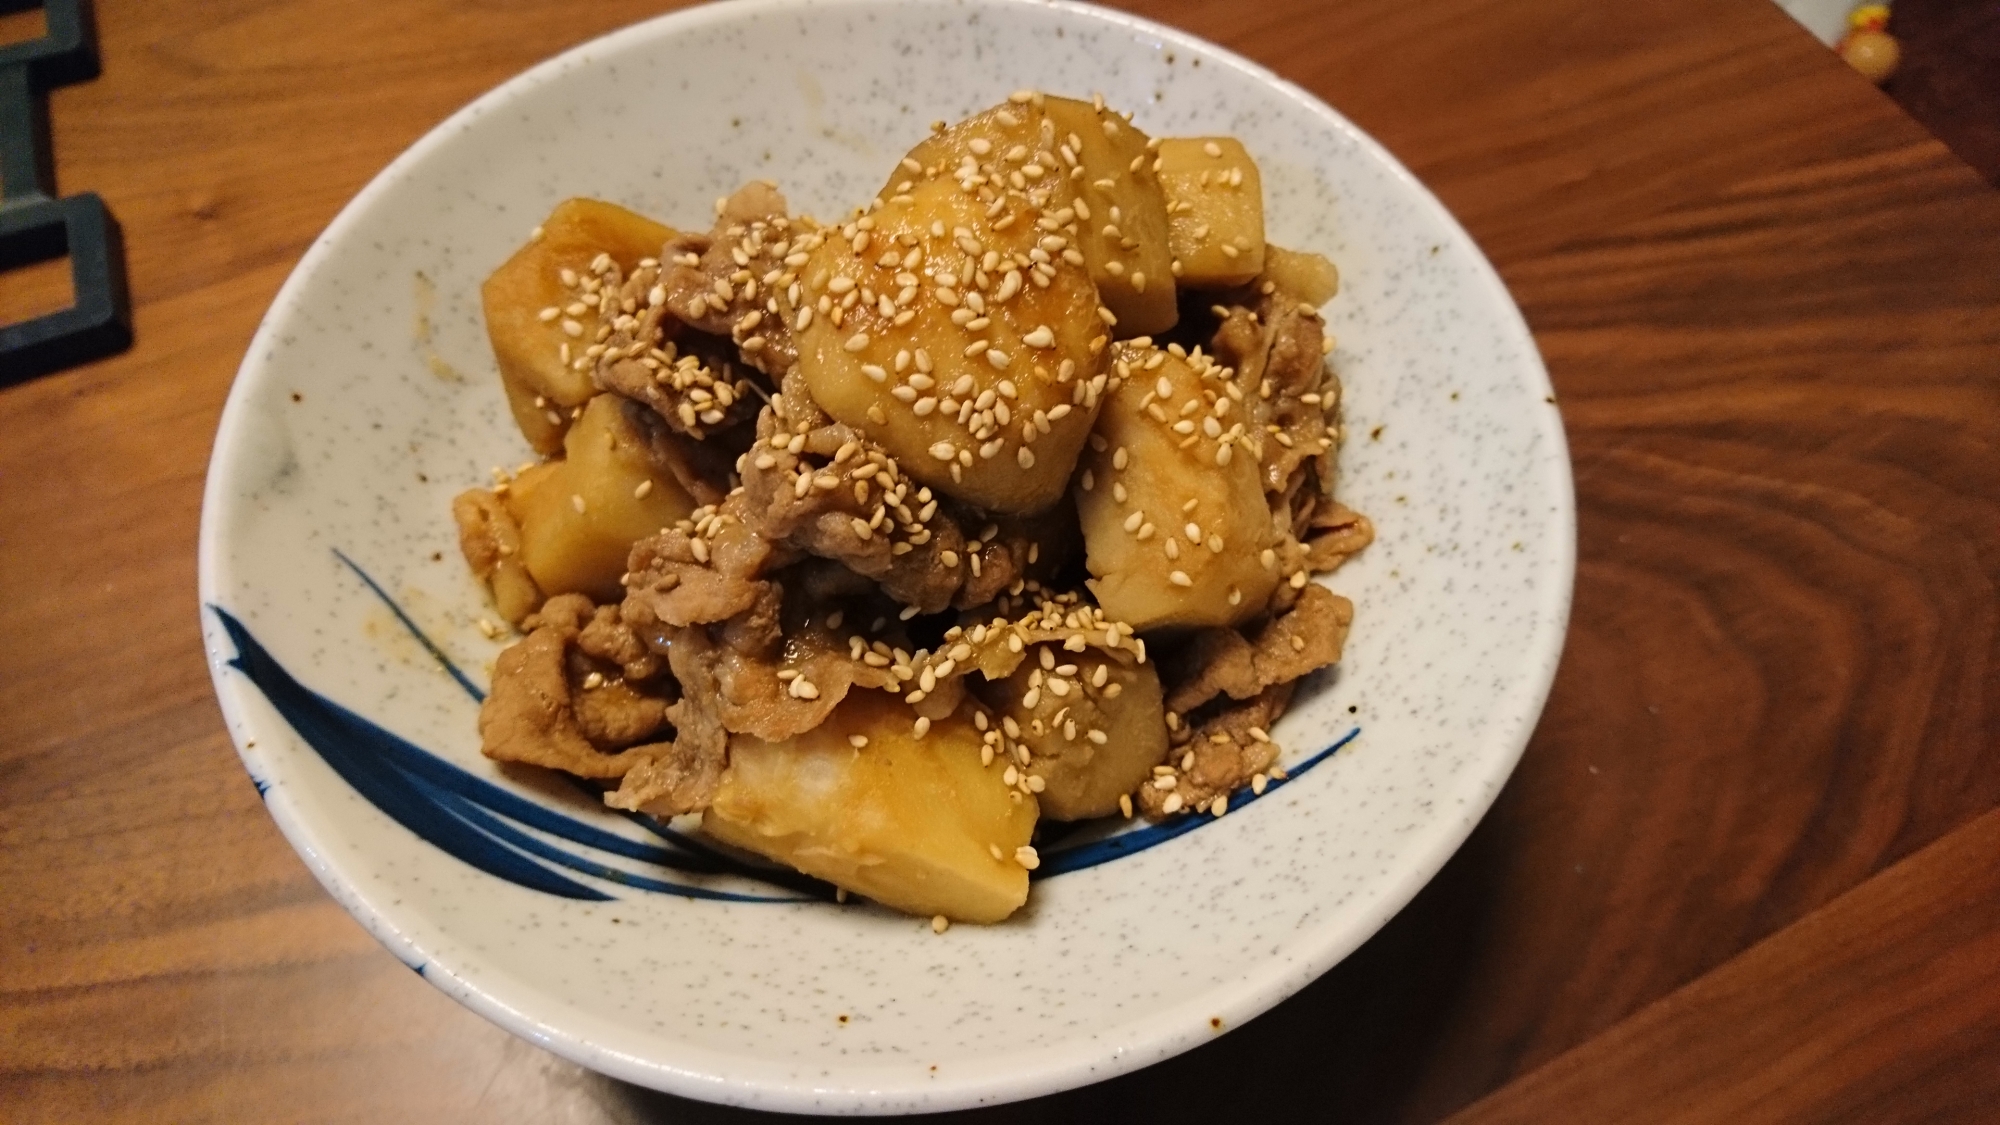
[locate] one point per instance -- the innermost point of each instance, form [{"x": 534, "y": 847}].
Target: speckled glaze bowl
[{"x": 341, "y": 624}]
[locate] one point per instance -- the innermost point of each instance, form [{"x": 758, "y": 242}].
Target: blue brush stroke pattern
[
  {"x": 446, "y": 805},
  {"x": 430, "y": 646},
  {"x": 469, "y": 817}
]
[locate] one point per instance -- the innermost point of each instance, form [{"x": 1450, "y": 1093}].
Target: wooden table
[{"x": 1749, "y": 868}]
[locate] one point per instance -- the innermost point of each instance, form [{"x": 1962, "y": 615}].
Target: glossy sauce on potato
[
  {"x": 580, "y": 516},
  {"x": 955, "y": 322},
  {"x": 915, "y": 822},
  {"x": 1215, "y": 205},
  {"x": 538, "y": 328},
  {"x": 1176, "y": 529},
  {"x": 1094, "y": 726}
]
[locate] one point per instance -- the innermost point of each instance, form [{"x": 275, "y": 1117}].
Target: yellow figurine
[{"x": 1868, "y": 47}]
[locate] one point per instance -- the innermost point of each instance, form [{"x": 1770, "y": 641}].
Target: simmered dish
[{"x": 876, "y": 542}]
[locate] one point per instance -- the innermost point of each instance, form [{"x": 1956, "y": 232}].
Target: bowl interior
[{"x": 368, "y": 399}]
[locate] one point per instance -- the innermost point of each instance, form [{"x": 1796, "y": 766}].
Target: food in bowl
[{"x": 875, "y": 543}]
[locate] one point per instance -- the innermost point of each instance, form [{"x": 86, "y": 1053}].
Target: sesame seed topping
[{"x": 1180, "y": 578}]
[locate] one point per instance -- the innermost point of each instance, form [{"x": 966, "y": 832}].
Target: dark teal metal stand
[{"x": 35, "y": 224}]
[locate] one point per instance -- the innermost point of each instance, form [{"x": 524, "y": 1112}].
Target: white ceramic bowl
[{"x": 327, "y": 544}]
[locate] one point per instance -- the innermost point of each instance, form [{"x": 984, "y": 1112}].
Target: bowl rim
[{"x": 1052, "y": 1068}]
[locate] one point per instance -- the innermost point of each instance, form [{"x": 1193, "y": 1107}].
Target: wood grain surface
[{"x": 1749, "y": 868}]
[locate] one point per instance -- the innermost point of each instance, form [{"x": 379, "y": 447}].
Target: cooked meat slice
[
  {"x": 706, "y": 467},
  {"x": 735, "y": 280},
  {"x": 490, "y": 540},
  {"x": 817, "y": 485},
  {"x": 689, "y": 394},
  {"x": 773, "y": 694},
  {"x": 694, "y": 384},
  {"x": 1274, "y": 341},
  {"x": 556, "y": 704},
  {"x": 1010, "y": 551},
  {"x": 696, "y": 575},
  {"x": 1027, "y": 615},
  {"x": 1215, "y": 662},
  {"x": 681, "y": 777},
  {"x": 1338, "y": 533},
  {"x": 1226, "y": 751},
  {"x": 1274, "y": 345},
  {"x": 606, "y": 637}
]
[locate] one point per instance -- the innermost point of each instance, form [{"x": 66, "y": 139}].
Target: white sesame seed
[
  {"x": 856, "y": 342},
  {"x": 1172, "y": 804},
  {"x": 1180, "y": 578},
  {"x": 944, "y": 451},
  {"x": 643, "y": 488},
  {"x": 1026, "y": 856}
]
